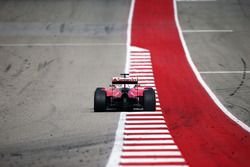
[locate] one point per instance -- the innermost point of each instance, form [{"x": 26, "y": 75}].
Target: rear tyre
[
  {"x": 149, "y": 100},
  {"x": 100, "y": 100}
]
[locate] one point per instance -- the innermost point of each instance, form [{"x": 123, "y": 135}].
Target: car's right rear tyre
[
  {"x": 149, "y": 100},
  {"x": 100, "y": 100}
]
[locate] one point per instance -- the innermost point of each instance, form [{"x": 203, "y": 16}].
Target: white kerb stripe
[
  {"x": 148, "y": 142},
  {"x": 146, "y": 131},
  {"x": 140, "y": 63},
  {"x": 149, "y": 165},
  {"x": 142, "y": 112},
  {"x": 147, "y": 136},
  {"x": 145, "y": 82},
  {"x": 149, "y": 117},
  {"x": 152, "y": 153},
  {"x": 141, "y": 74},
  {"x": 140, "y": 57},
  {"x": 131, "y": 67},
  {"x": 139, "y": 54},
  {"x": 137, "y": 49},
  {"x": 147, "y": 126},
  {"x": 151, "y": 160},
  {"x": 146, "y": 121},
  {"x": 161, "y": 147},
  {"x": 141, "y": 60}
]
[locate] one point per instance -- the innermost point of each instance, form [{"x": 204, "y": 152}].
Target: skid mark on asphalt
[{"x": 144, "y": 137}]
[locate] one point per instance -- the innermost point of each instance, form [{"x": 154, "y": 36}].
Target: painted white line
[
  {"x": 140, "y": 60},
  {"x": 114, "y": 157},
  {"x": 146, "y": 121},
  {"x": 145, "y": 82},
  {"x": 149, "y": 117},
  {"x": 150, "y": 165},
  {"x": 161, "y": 147},
  {"x": 130, "y": 17},
  {"x": 148, "y": 85},
  {"x": 140, "y": 64},
  {"x": 148, "y": 66},
  {"x": 140, "y": 57},
  {"x": 151, "y": 160},
  {"x": 141, "y": 74},
  {"x": 146, "y": 131},
  {"x": 207, "y": 31},
  {"x": 59, "y": 44},
  {"x": 146, "y": 126},
  {"x": 152, "y": 153},
  {"x": 148, "y": 142},
  {"x": 142, "y": 112},
  {"x": 223, "y": 72},
  {"x": 139, "y": 54},
  {"x": 150, "y": 78},
  {"x": 198, "y": 76},
  {"x": 147, "y": 136},
  {"x": 148, "y": 70},
  {"x": 196, "y": 0},
  {"x": 134, "y": 48}
]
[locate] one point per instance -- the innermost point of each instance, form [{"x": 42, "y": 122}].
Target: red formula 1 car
[{"x": 124, "y": 94}]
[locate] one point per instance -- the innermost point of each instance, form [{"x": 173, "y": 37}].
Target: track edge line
[{"x": 198, "y": 76}]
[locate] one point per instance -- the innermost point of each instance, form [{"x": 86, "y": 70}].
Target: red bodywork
[{"x": 124, "y": 91}]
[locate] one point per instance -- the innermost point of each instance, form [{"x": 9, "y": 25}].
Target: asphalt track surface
[{"x": 54, "y": 54}]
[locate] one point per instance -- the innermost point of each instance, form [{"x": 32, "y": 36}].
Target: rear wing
[{"x": 120, "y": 80}]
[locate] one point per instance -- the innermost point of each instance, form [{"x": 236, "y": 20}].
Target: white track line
[
  {"x": 151, "y": 160},
  {"x": 150, "y": 165},
  {"x": 147, "y": 136},
  {"x": 146, "y": 121},
  {"x": 143, "y": 112},
  {"x": 135, "y": 71},
  {"x": 207, "y": 31},
  {"x": 223, "y": 72},
  {"x": 114, "y": 157},
  {"x": 146, "y": 126},
  {"x": 152, "y": 153},
  {"x": 149, "y": 117},
  {"x": 60, "y": 44},
  {"x": 148, "y": 142},
  {"x": 161, "y": 147},
  {"x": 198, "y": 76},
  {"x": 139, "y": 54},
  {"x": 147, "y": 131}
]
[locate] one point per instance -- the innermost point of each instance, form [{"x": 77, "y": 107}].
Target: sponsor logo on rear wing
[{"x": 120, "y": 80}]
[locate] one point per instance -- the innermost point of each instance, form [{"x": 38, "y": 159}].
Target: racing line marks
[{"x": 145, "y": 139}]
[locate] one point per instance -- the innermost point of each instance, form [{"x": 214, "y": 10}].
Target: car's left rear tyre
[{"x": 100, "y": 100}]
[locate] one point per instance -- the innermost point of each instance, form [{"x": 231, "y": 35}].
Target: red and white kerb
[{"x": 142, "y": 138}]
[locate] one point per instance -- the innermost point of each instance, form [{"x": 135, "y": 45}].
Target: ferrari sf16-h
[{"x": 124, "y": 94}]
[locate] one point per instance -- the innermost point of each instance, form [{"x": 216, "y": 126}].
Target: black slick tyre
[
  {"x": 149, "y": 100},
  {"x": 100, "y": 100}
]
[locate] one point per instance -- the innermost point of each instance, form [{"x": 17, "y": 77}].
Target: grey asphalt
[
  {"x": 47, "y": 86},
  {"x": 46, "y": 91},
  {"x": 221, "y": 51}
]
